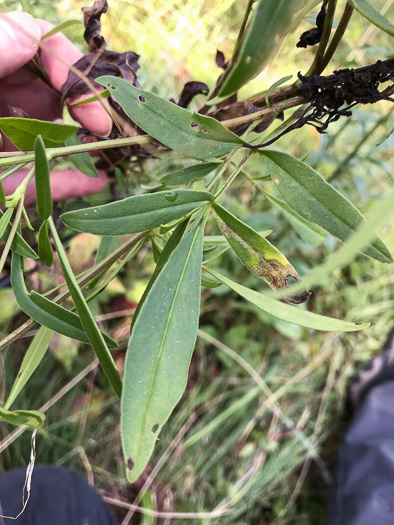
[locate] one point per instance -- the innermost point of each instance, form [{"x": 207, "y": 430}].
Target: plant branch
[
  {"x": 315, "y": 68},
  {"x": 340, "y": 31}
]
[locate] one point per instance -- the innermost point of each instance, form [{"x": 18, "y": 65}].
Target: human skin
[{"x": 20, "y": 36}]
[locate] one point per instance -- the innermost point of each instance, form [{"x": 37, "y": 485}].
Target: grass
[{"x": 255, "y": 436}]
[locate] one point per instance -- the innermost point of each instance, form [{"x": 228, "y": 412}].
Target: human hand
[{"x": 22, "y": 89}]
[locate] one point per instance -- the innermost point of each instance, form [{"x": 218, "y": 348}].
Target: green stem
[
  {"x": 233, "y": 176},
  {"x": 315, "y": 68},
  {"x": 11, "y": 236},
  {"x": 338, "y": 35}
]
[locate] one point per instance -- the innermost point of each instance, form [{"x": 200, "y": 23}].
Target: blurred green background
[{"x": 259, "y": 444}]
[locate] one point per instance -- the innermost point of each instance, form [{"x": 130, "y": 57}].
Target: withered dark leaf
[
  {"x": 220, "y": 59},
  {"x": 313, "y": 36},
  {"x": 190, "y": 90},
  {"x": 97, "y": 64},
  {"x": 91, "y": 20}
]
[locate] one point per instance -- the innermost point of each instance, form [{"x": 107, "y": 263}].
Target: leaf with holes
[
  {"x": 191, "y": 134},
  {"x": 261, "y": 257},
  {"x": 307, "y": 193},
  {"x": 136, "y": 214},
  {"x": 159, "y": 352}
]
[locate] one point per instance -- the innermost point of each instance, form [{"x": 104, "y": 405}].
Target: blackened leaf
[
  {"x": 91, "y": 20},
  {"x": 92, "y": 66},
  {"x": 190, "y": 90},
  {"x": 313, "y": 36},
  {"x": 191, "y": 134},
  {"x": 220, "y": 59}
]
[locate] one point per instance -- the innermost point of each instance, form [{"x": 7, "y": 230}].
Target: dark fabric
[
  {"x": 363, "y": 484},
  {"x": 58, "y": 497}
]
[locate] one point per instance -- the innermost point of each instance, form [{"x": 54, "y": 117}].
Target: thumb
[{"x": 19, "y": 40}]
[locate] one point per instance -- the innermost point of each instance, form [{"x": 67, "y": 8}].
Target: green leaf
[
  {"x": 23, "y": 132},
  {"x": 307, "y": 193},
  {"x": 210, "y": 283},
  {"x": 19, "y": 245},
  {"x": 271, "y": 21},
  {"x": 103, "y": 94},
  {"x": 258, "y": 255},
  {"x": 136, "y": 214},
  {"x": 5, "y": 220},
  {"x": 2, "y": 194},
  {"x": 60, "y": 28},
  {"x": 191, "y": 134},
  {"x": 274, "y": 86},
  {"x": 365, "y": 9},
  {"x": 286, "y": 312},
  {"x": 43, "y": 185},
  {"x": 189, "y": 174},
  {"x": 89, "y": 324},
  {"x": 45, "y": 251},
  {"x": 305, "y": 229},
  {"x": 160, "y": 348},
  {"x": 30, "y": 418},
  {"x": 82, "y": 161},
  {"x": 383, "y": 215},
  {"x": 31, "y": 360},
  {"x": 44, "y": 311}
]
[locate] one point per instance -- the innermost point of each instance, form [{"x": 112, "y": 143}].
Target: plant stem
[
  {"x": 340, "y": 31},
  {"x": 315, "y": 68},
  {"x": 11, "y": 236},
  {"x": 233, "y": 176}
]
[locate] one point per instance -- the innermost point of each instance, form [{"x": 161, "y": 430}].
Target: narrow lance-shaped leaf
[
  {"x": 271, "y": 21},
  {"x": 160, "y": 348},
  {"x": 366, "y": 9},
  {"x": 189, "y": 174},
  {"x": 89, "y": 324},
  {"x": 261, "y": 257},
  {"x": 45, "y": 251},
  {"x": 286, "y": 312},
  {"x": 43, "y": 185},
  {"x": 31, "y": 360},
  {"x": 44, "y": 311},
  {"x": 2, "y": 194},
  {"x": 60, "y": 28},
  {"x": 30, "y": 418},
  {"x": 305, "y": 229},
  {"x": 304, "y": 190},
  {"x": 191, "y": 134},
  {"x": 82, "y": 161},
  {"x": 23, "y": 132},
  {"x": 136, "y": 214},
  {"x": 5, "y": 220}
]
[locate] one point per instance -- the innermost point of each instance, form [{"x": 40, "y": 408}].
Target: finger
[
  {"x": 65, "y": 184},
  {"x": 19, "y": 40},
  {"x": 57, "y": 53}
]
